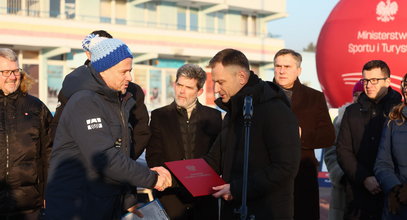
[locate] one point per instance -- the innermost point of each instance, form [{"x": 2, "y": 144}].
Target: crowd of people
[{"x": 82, "y": 163}]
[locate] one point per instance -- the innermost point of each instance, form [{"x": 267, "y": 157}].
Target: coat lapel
[{"x": 174, "y": 127}]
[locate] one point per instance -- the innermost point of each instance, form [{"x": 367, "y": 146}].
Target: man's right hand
[
  {"x": 223, "y": 191},
  {"x": 372, "y": 185},
  {"x": 164, "y": 179}
]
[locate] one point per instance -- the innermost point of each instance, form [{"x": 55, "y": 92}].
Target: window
[
  {"x": 254, "y": 25},
  {"x": 33, "y": 8},
  {"x": 193, "y": 19},
  {"x": 151, "y": 13},
  {"x": 54, "y": 8},
  {"x": 221, "y": 22},
  {"x": 105, "y": 11},
  {"x": 181, "y": 18},
  {"x": 210, "y": 22},
  {"x": 30, "y": 54},
  {"x": 23, "y": 7},
  {"x": 70, "y": 9},
  {"x": 13, "y": 6},
  {"x": 245, "y": 24},
  {"x": 121, "y": 11}
]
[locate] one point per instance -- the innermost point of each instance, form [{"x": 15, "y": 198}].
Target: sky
[{"x": 304, "y": 22}]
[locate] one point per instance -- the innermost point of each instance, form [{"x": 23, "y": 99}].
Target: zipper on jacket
[
  {"x": 7, "y": 157},
  {"x": 7, "y": 141},
  {"x": 124, "y": 126}
]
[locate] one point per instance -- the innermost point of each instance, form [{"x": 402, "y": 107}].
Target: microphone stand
[{"x": 247, "y": 117}]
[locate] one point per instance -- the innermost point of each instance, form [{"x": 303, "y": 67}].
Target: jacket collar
[
  {"x": 296, "y": 86},
  {"x": 13, "y": 95},
  {"x": 260, "y": 91},
  {"x": 247, "y": 89},
  {"x": 391, "y": 98}
]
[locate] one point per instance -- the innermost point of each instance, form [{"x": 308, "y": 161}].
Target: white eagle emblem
[
  {"x": 386, "y": 11},
  {"x": 191, "y": 167}
]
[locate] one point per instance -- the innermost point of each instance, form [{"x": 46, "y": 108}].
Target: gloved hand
[
  {"x": 402, "y": 196},
  {"x": 393, "y": 200}
]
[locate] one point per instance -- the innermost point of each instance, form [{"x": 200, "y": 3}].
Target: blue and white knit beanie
[{"x": 105, "y": 52}]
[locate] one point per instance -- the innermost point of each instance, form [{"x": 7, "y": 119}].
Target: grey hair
[
  {"x": 8, "y": 54},
  {"x": 192, "y": 71},
  {"x": 297, "y": 56}
]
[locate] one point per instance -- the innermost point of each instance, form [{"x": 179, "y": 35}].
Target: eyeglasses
[
  {"x": 7, "y": 73},
  {"x": 373, "y": 81}
]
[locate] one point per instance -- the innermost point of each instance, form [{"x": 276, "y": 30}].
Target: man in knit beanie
[
  {"x": 90, "y": 168},
  {"x": 81, "y": 78}
]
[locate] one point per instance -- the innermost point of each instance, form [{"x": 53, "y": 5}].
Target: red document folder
[{"x": 196, "y": 175}]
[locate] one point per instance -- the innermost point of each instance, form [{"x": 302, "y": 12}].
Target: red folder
[{"x": 196, "y": 175}]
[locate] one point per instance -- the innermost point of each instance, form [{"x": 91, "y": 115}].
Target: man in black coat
[
  {"x": 317, "y": 131},
  {"x": 25, "y": 143},
  {"x": 359, "y": 138},
  {"x": 274, "y": 153},
  {"x": 185, "y": 129}
]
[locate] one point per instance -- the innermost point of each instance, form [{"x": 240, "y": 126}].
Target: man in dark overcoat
[
  {"x": 274, "y": 152},
  {"x": 359, "y": 138},
  {"x": 185, "y": 129},
  {"x": 317, "y": 131}
]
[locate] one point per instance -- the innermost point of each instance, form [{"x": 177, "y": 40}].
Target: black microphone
[{"x": 248, "y": 107}]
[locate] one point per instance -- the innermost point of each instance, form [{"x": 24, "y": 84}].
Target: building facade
[{"x": 163, "y": 35}]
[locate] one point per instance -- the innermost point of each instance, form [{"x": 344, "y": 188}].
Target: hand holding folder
[{"x": 196, "y": 175}]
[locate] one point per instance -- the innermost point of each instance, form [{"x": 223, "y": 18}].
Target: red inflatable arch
[{"x": 354, "y": 33}]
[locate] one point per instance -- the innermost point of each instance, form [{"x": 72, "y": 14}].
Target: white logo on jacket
[{"x": 94, "y": 123}]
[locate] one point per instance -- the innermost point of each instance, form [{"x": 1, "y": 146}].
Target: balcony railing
[{"x": 70, "y": 15}]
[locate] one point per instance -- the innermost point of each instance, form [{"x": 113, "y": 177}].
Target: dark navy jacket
[
  {"x": 82, "y": 79},
  {"x": 90, "y": 167},
  {"x": 391, "y": 163}
]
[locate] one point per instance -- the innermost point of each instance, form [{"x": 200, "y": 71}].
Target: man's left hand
[
  {"x": 135, "y": 211},
  {"x": 223, "y": 191}
]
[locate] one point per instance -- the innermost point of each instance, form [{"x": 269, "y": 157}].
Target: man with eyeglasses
[
  {"x": 25, "y": 143},
  {"x": 359, "y": 138}
]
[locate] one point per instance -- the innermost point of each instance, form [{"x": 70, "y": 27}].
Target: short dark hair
[
  {"x": 297, "y": 56},
  {"x": 192, "y": 71},
  {"x": 102, "y": 33},
  {"x": 377, "y": 64},
  {"x": 229, "y": 57}
]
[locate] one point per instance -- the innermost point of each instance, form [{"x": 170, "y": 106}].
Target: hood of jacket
[{"x": 86, "y": 77}]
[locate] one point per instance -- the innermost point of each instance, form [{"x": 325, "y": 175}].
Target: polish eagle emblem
[
  {"x": 386, "y": 10},
  {"x": 191, "y": 167}
]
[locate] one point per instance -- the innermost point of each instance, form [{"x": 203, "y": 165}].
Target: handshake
[{"x": 164, "y": 179}]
